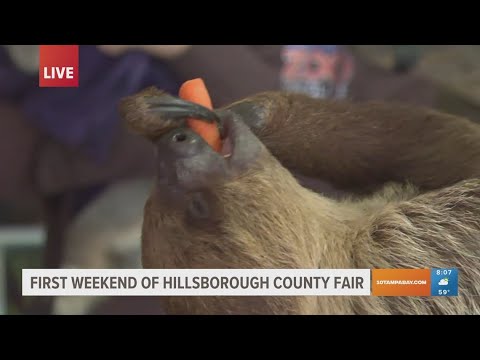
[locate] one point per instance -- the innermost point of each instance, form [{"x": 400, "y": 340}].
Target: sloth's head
[{"x": 212, "y": 209}]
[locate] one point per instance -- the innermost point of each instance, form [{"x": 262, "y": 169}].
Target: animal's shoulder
[
  {"x": 434, "y": 229},
  {"x": 439, "y": 229}
]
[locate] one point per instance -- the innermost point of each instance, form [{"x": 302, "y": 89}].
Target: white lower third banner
[{"x": 195, "y": 282}]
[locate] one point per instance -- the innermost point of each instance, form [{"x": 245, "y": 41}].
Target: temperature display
[{"x": 444, "y": 282}]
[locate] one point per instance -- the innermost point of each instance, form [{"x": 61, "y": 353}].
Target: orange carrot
[{"x": 196, "y": 91}]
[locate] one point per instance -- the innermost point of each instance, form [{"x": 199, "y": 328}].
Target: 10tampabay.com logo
[{"x": 58, "y": 66}]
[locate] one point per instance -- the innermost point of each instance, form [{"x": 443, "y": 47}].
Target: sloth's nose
[
  {"x": 185, "y": 160},
  {"x": 180, "y": 136},
  {"x": 181, "y": 143}
]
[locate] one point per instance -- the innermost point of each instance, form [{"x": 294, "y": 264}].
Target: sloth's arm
[{"x": 358, "y": 146}]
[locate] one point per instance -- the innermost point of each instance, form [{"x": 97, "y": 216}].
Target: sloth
[{"x": 413, "y": 175}]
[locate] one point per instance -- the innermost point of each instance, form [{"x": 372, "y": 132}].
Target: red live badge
[{"x": 58, "y": 66}]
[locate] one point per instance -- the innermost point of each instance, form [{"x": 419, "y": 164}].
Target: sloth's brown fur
[
  {"x": 363, "y": 145},
  {"x": 265, "y": 219},
  {"x": 292, "y": 227}
]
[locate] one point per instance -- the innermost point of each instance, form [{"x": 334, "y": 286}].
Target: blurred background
[{"x": 73, "y": 181}]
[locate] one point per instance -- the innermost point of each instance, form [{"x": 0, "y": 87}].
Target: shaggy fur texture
[
  {"x": 292, "y": 227},
  {"x": 265, "y": 219}
]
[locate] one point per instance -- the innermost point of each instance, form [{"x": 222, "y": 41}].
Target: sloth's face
[
  {"x": 184, "y": 160},
  {"x": 201, "y": 196},
  {"x": 200, "y": 193}
]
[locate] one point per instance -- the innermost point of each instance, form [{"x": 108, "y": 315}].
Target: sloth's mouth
[
  {"x": 227, "y": 148},
  {"x": 227, "y": 135}
]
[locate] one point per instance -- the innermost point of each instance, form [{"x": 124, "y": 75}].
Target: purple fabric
[{"x": 87, "y": 117}]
